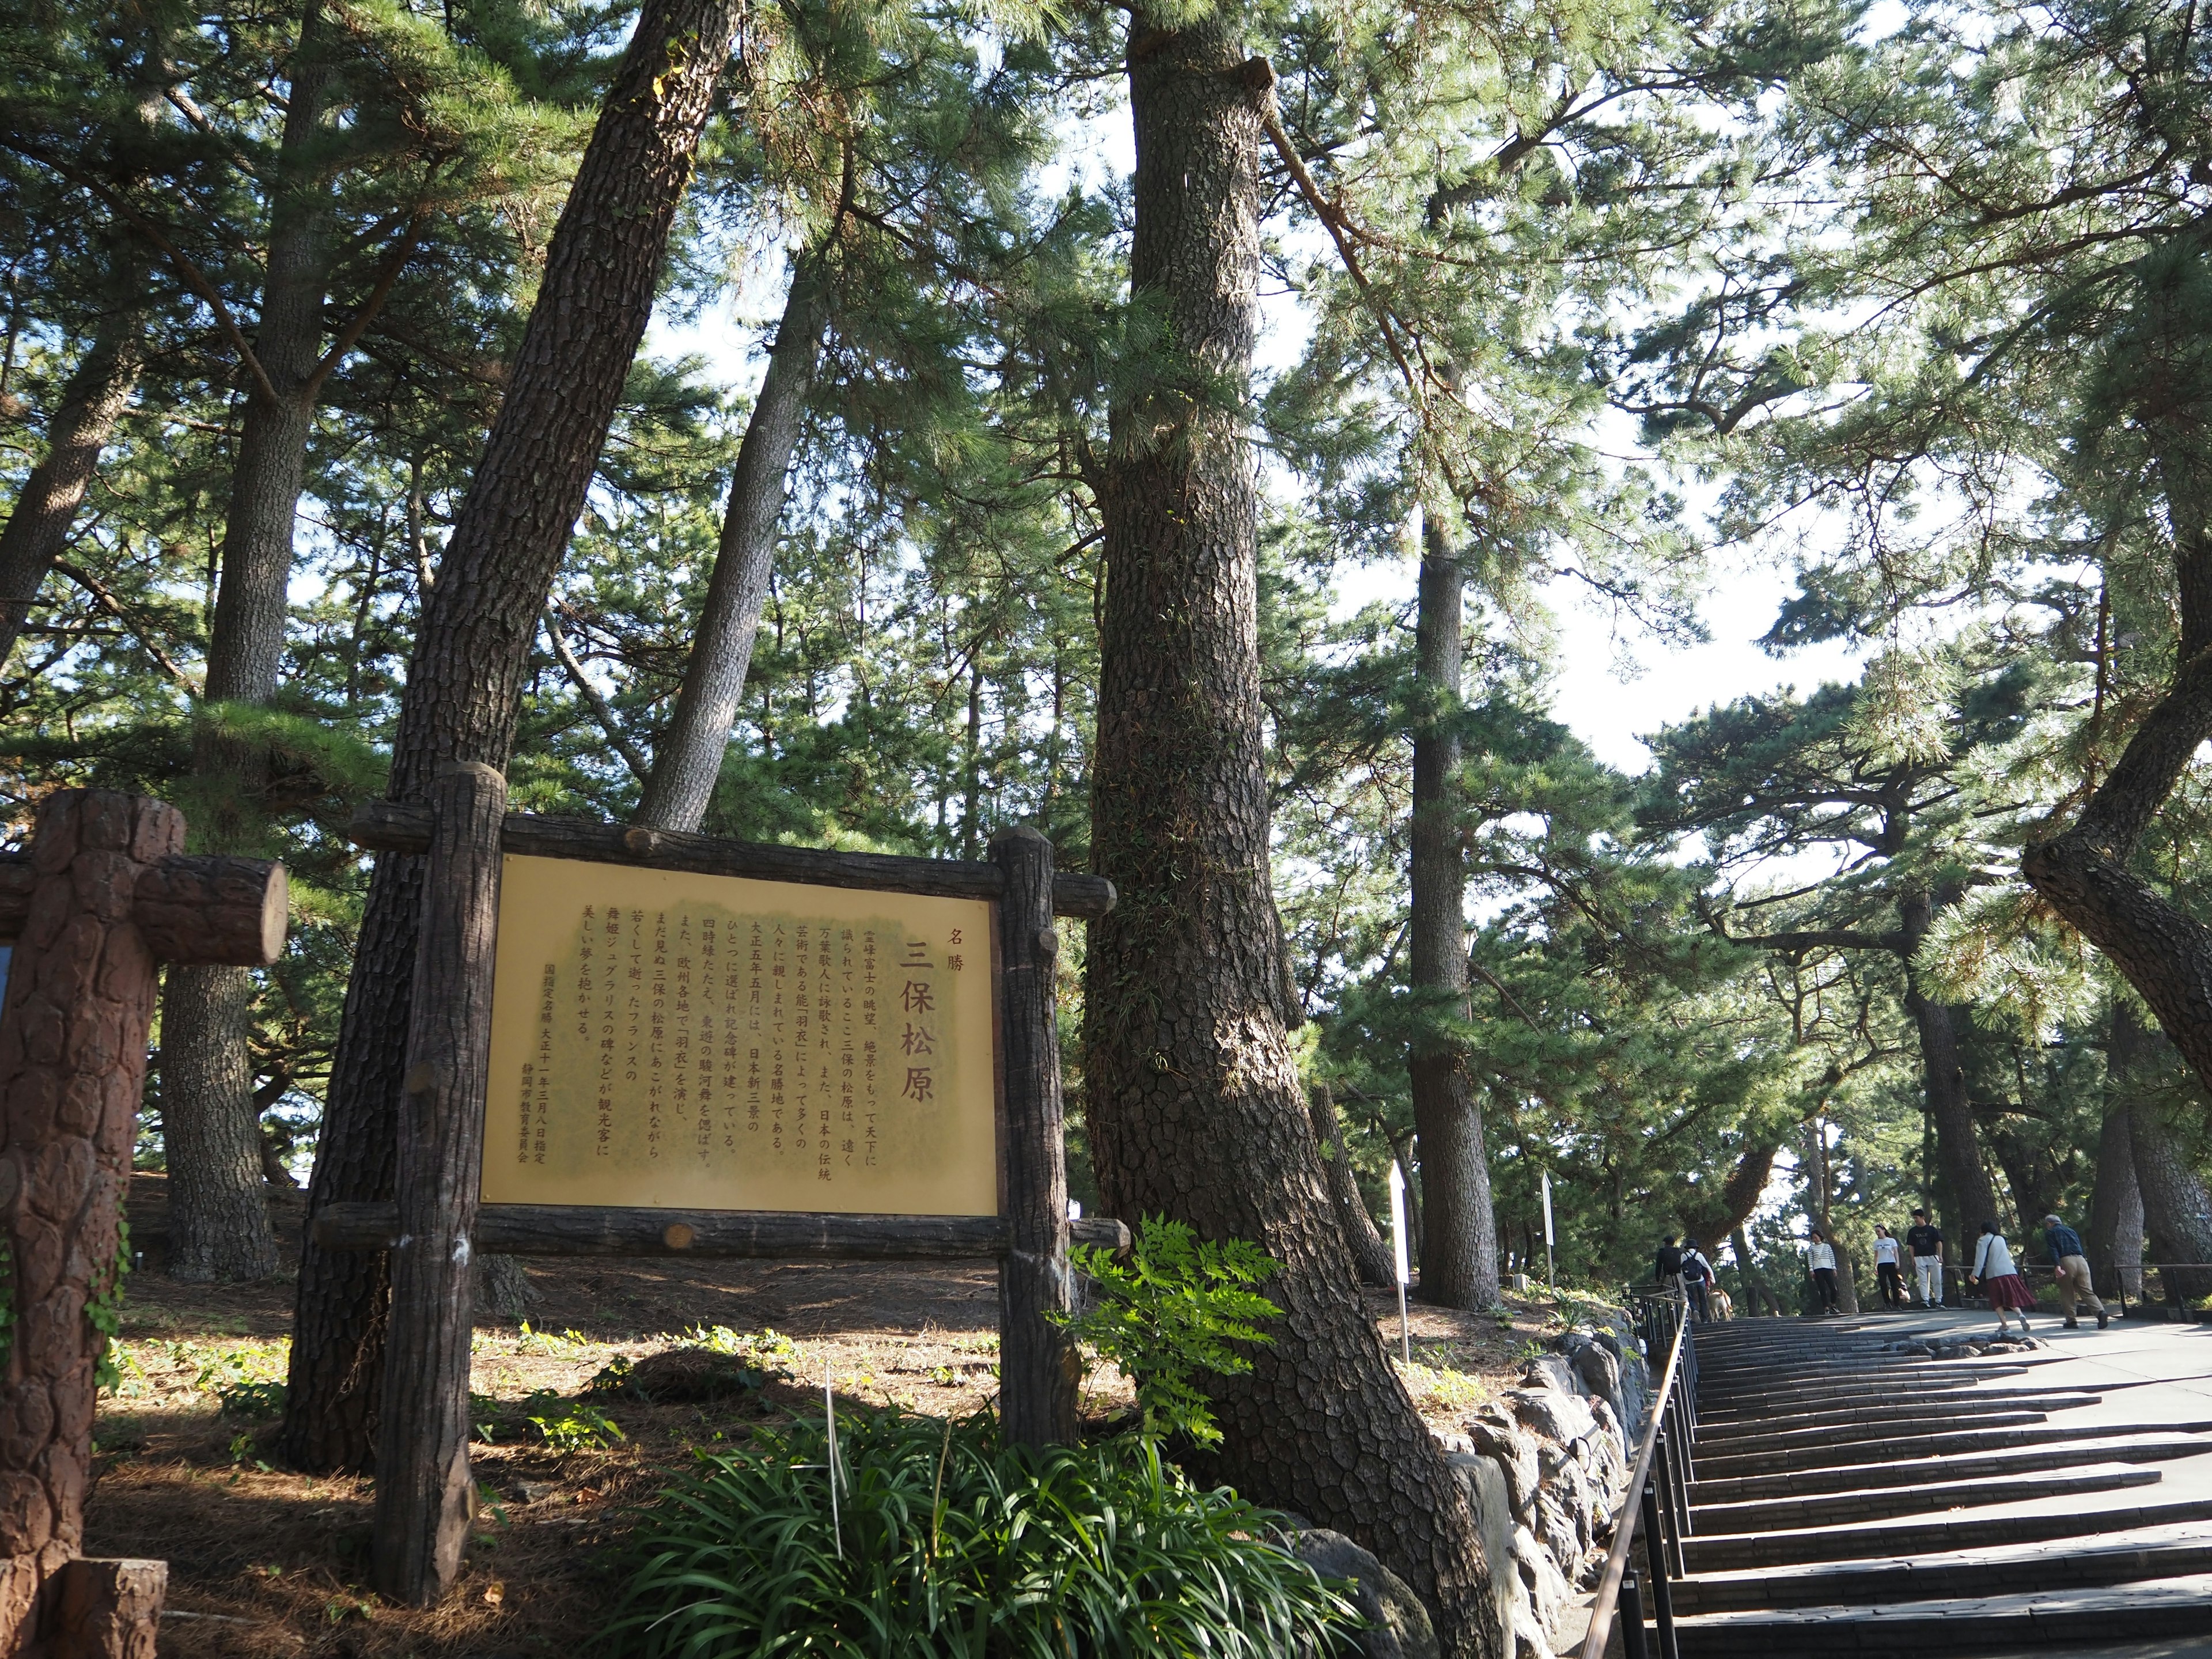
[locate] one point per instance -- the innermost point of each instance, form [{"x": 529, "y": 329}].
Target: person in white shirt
[
  {"x": 1821, "y": 1257},
  {"x": 1887, "y": 1269},
  {"x": 2000, "y": 1281}
]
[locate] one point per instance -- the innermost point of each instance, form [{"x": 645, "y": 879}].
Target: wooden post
[
  {"x": 423, "y": 1490},
  {"x": 105, "y": 893},
  {"x": 1039, "y": 1368}
]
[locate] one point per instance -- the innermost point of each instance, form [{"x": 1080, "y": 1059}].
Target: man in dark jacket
[
  {"x": 2072, "y": 1260},
  {"x": 1925, "y": 1244}
]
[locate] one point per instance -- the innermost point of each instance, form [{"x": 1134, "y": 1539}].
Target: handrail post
[
  {"x": 1655, "y": 1552},
  {"x": 1630, "y": 1618}
]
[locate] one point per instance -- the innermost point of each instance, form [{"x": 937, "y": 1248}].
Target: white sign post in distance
[
  {"x": 1547, "y": 1229},
  {"x": 1398, "y": 1251}
]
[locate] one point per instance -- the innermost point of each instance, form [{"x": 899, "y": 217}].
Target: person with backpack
[
  {"x": 1698, "y": 1280},
  {"x": 1667, "y": 1266},
  {"x": 1926, "y": 1246},
  {"x": 2071, "y": 1259},
  {"x": 1821, "y": 1257},
  {"x": 2000, "y": 1281}
]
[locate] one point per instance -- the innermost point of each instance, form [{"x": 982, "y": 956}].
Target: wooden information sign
[
  {"x": 627, "y": 1043},
  {"x": 667, "y": 1040}
]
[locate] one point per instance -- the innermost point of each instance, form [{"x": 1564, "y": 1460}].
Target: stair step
[
  {"x": 2045, "y": 1477},
  {"x": 1733, "y": 1443},
  {"x": 2009, "y": 1569},
  {"x": 2056, "y": 1449},
  {"x": 1744, "y": 1551},
  {"x": 1736, "y": 1435},
  {"x": 2061, "y": 1618},
  {"x": 1946, "y": 1400},
  {"x": 1839, "y": 1459}
]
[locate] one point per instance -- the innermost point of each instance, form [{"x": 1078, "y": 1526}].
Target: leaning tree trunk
[
  {"x": 1370, "y": 1256},
  {"x": 1740, "y": 1193},
  {"x": 2083, "y": 873},
  {"x": 688, "y": 757},
  {"x": 1459, "y": 1245},
  {"x": 1195, "y": 1108},
  {"x": 465, "y": 680},
  {"x": 2177, "y": 1210},
  {"x": 99, "y": 389},
  {"x": 211, "y": 1125}
]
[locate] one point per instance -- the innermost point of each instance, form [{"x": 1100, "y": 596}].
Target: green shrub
[
  {"x": 1169, "y": 1312},
  {"x": 946, "y": 1544},
  {"x": 568, "y": 1426}
]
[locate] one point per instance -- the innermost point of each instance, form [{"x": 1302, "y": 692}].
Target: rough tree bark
[
  {"x": 1370, "y": 1256},
  {"x": 211, "y": 1125},
  {"x": 1195, "y": 1107},
  {"x": 474, "y": 643},
  {"x": 1459, "y": 1245},
  {"x": 688, "y": 757},
  {"x": 2082, "y": 871},
  {"x": 1740, "y": 1195},
  {"x": 2177, "y": 1210},
  {"x": 2115, "y": 1234},
  {"x": 37, "y": 529}
]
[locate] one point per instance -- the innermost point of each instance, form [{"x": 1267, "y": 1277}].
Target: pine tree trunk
[
  {"x": 2115, "y": 1236},
  {"x": 688, "y": 758},
  {"x": 218, "y": 1221},
  {"x": 2177, "y": 1210},
  {"x": 1459, "y": 1246},
  {"x": 473, "y": 645},
  {"x": 99, "y": 389},
  {"x": 1370, "y": 1256},
  {"x": 1757, "y": 1295},
  {"x": 1740, "y": 1195},
  {"x": 1195, "y": 1108},
  {"x": 2165, "y": 953},
  {"x": 1967, "y": 1199}
]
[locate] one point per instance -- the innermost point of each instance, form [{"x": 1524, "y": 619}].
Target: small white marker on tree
[{"x": 1398, "y": 1251}]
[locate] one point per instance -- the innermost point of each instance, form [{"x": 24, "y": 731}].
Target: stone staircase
[{"x": 1852, "y": 1500}]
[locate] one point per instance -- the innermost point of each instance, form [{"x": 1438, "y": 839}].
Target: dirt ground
[{"x": 264, "y": 1562}]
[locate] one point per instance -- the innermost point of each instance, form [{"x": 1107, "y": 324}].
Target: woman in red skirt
[{"x": 1999, "y": 1279}]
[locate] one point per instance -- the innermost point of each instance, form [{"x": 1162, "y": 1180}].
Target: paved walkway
[{"x": 1853, "y": 1501}]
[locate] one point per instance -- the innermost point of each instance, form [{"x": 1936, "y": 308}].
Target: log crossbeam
[
  {"x": 748, "y": 1235},
  {"x": 397, "y": 827}
]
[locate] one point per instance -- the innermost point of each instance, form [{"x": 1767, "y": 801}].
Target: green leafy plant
[
  {"x": 252, "y": 1400},
  {"x": 569, "y": 1426},
  {"x": 103, "y": 1312},
  {"x": 1170, "y": 1312},
  {"x": 946, "y": 1543}
]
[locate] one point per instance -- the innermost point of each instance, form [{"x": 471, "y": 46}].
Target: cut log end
[{"x": 210, "y": 909}]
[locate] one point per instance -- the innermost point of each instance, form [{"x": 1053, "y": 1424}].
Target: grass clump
[{"x": 944, "y": 1543}]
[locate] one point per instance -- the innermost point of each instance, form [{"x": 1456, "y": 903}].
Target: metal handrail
[{"x": 1664, "y": 1451}]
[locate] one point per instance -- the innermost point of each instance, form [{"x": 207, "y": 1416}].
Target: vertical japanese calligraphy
[{"x": 661, "y": 1039}]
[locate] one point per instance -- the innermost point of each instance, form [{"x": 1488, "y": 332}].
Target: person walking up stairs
[{"x": 2072, "y": 1261}]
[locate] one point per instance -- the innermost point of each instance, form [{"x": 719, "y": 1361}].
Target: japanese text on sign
[{"x": 661, "y": 1039}]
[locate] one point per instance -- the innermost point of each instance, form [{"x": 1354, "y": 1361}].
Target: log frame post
[
  {"x": 423, "y": 1490},
  {"x": 105, "y": 893},
  {"x": 1038, "y": 1368}
]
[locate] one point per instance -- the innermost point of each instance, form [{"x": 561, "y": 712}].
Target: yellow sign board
[{"x": 713, "y": 1042}]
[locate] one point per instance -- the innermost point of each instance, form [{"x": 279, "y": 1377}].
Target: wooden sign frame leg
[
  {"x": 1038, "y": 1368},
  {"x": 423, "y": 1489}
]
